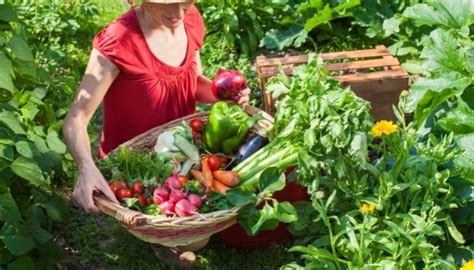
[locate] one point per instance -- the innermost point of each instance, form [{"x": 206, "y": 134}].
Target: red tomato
[
  {"x": 183, "y": 179},
  {"x": 137, "y": 187},
  {"x": 114, "y": 188},
  {"x": 197, "y": 124},
  {"x": 123, "y": 194},
  {"x": 214, "y": 162},
  {"x": 121, "y": 184},
  {"x": 198, "y": 137},
  {"x": 143, "y": 201},
  {"x": 223, "y": 160}
]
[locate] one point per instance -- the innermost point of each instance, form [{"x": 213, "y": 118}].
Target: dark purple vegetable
[
  {"x": 249, "y": 147},
  {"x": 228, "y": 84}
]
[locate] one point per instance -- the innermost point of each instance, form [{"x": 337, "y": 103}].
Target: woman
[{"x": 145, "y": 68}]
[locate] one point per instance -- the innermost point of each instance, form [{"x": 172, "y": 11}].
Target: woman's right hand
[{"x": 90, "y": 179}]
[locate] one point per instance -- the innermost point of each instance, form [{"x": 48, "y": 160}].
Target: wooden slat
[
  {"x": 379, "y": 51},
  {"x": 376, "y": 75},
  {"x": 363, "y": 64}
]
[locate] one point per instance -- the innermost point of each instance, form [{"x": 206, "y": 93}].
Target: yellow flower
[
  {"x": 468, "y": 266},
  {"x": 383, "y": 127},
  {"x": 367, "y": 208}
]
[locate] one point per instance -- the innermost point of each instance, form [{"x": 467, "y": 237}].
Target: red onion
[
  {"x": 228, "y": 84},
  {"x": 184, "y": 208},
  {"x": 160, "y": 195}
]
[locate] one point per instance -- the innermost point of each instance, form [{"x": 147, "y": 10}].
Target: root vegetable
[
  {"x": 184, "y": 208},
  {"x": 160, "y": 195}
]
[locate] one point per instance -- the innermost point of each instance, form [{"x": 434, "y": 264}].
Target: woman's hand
[
  {"x": 91, "y": 179},
  {"x": 244, "y": 96}
]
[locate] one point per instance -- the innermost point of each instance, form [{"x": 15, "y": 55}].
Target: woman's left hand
[{"x": 244, "y": 96}]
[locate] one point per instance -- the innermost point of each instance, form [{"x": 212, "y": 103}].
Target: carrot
[
  {"x": 220, "y": 187},
  {"x": 198, "y": 175},
  {"x": 228, "y": 178},
  {"x": 207, "y": 173}
]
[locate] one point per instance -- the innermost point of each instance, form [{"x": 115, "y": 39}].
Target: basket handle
[{"x": 124, "y": 215}]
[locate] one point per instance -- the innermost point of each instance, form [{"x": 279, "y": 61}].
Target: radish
[
  {"x": 160, "y": 195},
  {"x": 172, "y": 183},
  {"x": 228, "y": 84},
  {"x": 184, "y": 208},
  {"x": 177, "y": 195},
  {"x": 195, "y": 200},
  {"x": 167, "y": 208}
]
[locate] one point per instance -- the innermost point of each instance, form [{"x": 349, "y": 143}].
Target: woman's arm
[
  {"x": 99, "y": 75},
  {"x": 204, "y": 92}
]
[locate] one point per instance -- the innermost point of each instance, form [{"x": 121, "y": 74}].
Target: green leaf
[
  {"x": 239, "y": 197},
  {"x": 18, "y": 244},
  {"x": 30, "y": 110},
  {"x": 271, "y": 180},
  {"x": 10, "y": 121},
  {"x": 22, "y": 263},
  {"x": 459, "y": 120},
  {"x": 453, "y": 231},
  {"x": 391, "y": 26},
  {"x": 286, "y": 212},
  {"x": 20, "y": 48},
  {"x": 55, "y": 144},
  {"x": 267, "y": 219},
  {"x": 27, "y": 149},
  {"x": 8, "y": 209},
  {"x": 26, "y": 68},
  {"x": 322, "y": 17},
  {"x": 6, "y": 81},
  {"x": 7, "y": 152},
  {"x": 40, "y": 236},
  {"x": 7, "y": 14},
  {"x": 465, "y": 161},
  {"x": 56, "y": 208},
  {"x": 430, "y": 101},
  {"x": 29, "y": 170},
  {"x": 447, "y": 13},
  {"x": 442, "y": 54},
  {"x": 278, "y": 39}
]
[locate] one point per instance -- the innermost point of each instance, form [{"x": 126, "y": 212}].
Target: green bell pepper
[{"x": 226, "y": 127}]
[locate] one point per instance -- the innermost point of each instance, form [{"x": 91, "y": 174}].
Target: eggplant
[{"x": 250, "y": 146}]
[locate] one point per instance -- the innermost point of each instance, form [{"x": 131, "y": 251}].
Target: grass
[{"x": 98, "y": 241}]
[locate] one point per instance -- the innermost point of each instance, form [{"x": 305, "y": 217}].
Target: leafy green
[{"x": 446, "y": 13}]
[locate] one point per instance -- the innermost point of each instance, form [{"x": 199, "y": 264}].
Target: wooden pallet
[{"x": 373, "y": 74}]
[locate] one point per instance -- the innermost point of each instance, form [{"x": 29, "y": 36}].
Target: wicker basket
[{"x": 174, "y": 231}]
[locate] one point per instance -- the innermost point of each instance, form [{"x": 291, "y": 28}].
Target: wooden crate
[{"x": 373, "y": 74}]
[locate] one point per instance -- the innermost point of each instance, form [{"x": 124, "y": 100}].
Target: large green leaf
[
  {"x": 18, "y": 244},
  {"x": 447, "y": 13},
  {"x": 238, "y": 197},
  {"x": 27, "y": 149},
  {"x": 7, "y": 152},
  {"x": 8, "y": 209},
  {"x": 459, "y": 120},
  {"x": 56, "y": 208},
  {"x": 430, "y": 101},
  {"x": 6, "y": 81},
  {"x": 442, "y": 54},
  {"x": 22, "y": 263},
  {"x": 20, "y": 48},
  {"x": 29, "y": 170},
  {"x": 465, "y": 161},
  {"x": 11, "y": 122},
  {"x": 55, "y": 144},
  {"x": 267, "y": 219},
  {"x": 278, "y": 39},
  {"x": 7, "y": 14},
  {"x": 271, "y": 180}
]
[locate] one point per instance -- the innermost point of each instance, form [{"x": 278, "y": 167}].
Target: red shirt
[{"x": 147, "y": 92}]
